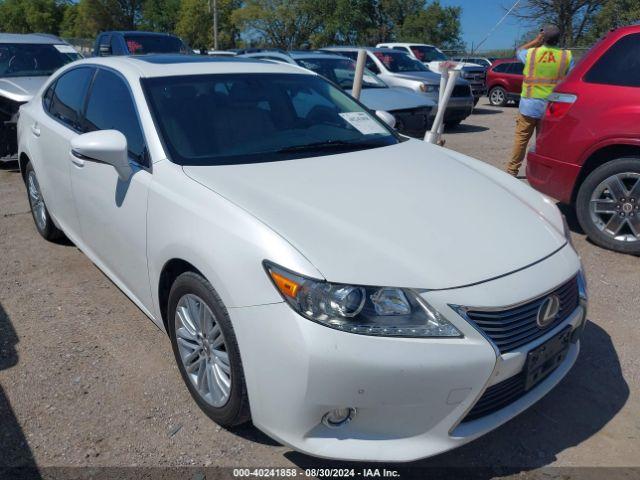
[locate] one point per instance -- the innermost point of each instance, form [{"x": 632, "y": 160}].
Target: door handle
[{"x": 35, "y": 129}]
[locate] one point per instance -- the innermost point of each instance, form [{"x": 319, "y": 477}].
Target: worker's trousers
[{"x": 525, "y": 127}]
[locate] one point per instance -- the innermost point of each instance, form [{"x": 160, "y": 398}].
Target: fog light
[{"x": 338, "y": 417}]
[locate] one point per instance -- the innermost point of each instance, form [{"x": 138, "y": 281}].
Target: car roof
[
  {"x": 138, "y": 32},
  {"x": 505, "y": 60},
  {"x": 32, "y": 38},
  {"x": 406, "y": 44},
  {"x": 298, "y": 55},
  {"x": 164, "y": 65},
  {"x": 351, "y": 49}
]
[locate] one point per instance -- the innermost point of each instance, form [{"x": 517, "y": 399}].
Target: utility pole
[{"x": 213, "y": 6}]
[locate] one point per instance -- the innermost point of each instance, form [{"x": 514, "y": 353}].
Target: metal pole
[
  {"x": 433, "y": 135},
  {"x": 215, "y": 24},
  {"x": 357, "y": 80}
]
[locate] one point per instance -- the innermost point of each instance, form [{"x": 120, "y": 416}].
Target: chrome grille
[{"x": 511, "y": 328}]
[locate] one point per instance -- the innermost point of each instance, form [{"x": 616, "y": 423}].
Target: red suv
[
  {"x": 587, "y": 152},
  {"x": 504, "y": 81}
]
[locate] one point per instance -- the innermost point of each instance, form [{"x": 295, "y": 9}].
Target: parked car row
[{"x": 433, "y": 58}]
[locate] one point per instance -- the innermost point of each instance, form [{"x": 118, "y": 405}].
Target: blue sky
[{"x": 479, "y": 16}]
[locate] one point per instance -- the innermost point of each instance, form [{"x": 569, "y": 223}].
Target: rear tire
[
  {"x": 498, "y": 97},
  {"x": 608, "y": 205},
  {"x": 40, "y": 213},
  {"x": 207, "y": 346},
  {"x": 452, "y": 124}
]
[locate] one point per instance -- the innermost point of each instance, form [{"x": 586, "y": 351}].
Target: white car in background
[
  {"x": 433, "y": 58},
  {"x": 356, "y": 294},
  {"x": 412, "y": 111}
]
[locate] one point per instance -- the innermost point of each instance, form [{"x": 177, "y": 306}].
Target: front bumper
[
  {"x": 552, "y": 177},
  {"x": 410, "y": 395}
]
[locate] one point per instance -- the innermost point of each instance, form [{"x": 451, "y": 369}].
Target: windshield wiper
[{"x": 327, "y": 145}]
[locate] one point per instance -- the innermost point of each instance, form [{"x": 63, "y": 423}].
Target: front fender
[{"x": 187, "y": 221}]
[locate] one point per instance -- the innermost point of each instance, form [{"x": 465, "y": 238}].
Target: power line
[{"x": 496, "y": 26}]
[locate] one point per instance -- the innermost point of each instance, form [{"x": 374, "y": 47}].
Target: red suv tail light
[{"x": 559, "y": 105}]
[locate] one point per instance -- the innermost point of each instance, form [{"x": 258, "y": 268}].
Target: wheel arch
[
  {"x": 600, "y": 156},
  {"x": 23, "y": 160},
  {"x": 171, "y": 270}
]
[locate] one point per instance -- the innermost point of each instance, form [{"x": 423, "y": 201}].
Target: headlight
[
  {"x": 429, "y": 88},
  {"x": 380, "y": 311}
]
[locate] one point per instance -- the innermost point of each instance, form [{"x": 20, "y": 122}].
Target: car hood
[
  {"x": 436, "y": 65},
  {"x": 408, "y": 215},
  {"x": 20, "y": 89},
  {"x": 391, "y": 99}
]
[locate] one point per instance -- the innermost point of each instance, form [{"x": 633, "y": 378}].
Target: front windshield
[
  {"x": 34, "y": 60},
  {"x": 397, "y": 62},
  {"x": 340, "y": 71},
  {"x": 227, "y": 119},
  {"x": 142, "y": 44},
  {"x": 428, "y": 54}
]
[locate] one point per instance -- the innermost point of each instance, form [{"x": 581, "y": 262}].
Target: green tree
[
  {"x": 346, "y": 22},
  {"x": 614, "y": 13},
  {"x": 69, "y": 21},
  {"x": 574, "y": 18},
  {"x": 160, "y": 15},
  {"x": 93, "y": 16},
  {"x": 433, "y": 24},
  {"x": 286, "y": 24},
  {"x": 28, "y": 16},
  {"x": 195, "y": 23}
]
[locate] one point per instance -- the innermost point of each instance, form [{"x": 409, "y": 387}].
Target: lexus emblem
[{"x": 548, "y": 311}]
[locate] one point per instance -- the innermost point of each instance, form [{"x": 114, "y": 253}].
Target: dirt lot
[{"x": 87, "y": 380}]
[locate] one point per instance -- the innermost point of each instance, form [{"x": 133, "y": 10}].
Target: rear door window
[
  {"x": 67, "y": 101},
  {"x": 502, "y": 68},
  {"x": 620, "y": 65},
  {"x": 516, "y": 68}
]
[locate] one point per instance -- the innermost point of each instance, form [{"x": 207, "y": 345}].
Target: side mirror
[
  {"x": 386, "y": 117},
  {"x": 105, "y": 50},
  {"x": 104, "y": 146}
]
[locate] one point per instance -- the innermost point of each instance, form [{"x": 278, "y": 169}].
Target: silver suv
[
  {"x": 25, "y": 63},
  {"x": 397, "y": 69}
]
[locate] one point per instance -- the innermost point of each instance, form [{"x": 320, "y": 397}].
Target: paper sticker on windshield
[
  {"x": 368, "y": 78},
  {"x": 65, "y": 48},
  {"x": 363, "y": 123}
]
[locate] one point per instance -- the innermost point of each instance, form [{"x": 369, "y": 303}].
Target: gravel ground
[{"x": 87, "y": 380}]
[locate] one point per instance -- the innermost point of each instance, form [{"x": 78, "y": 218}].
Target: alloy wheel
[
  {"x": 36, "y": 201},
  {"x": 497, "y": 96},
  {"x": 615, "y": 207},
  {"x": 203, "y": 350}
]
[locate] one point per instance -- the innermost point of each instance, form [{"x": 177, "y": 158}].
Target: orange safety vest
[{"x": 544, "y": 68}]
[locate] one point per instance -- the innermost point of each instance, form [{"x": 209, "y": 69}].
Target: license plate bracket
[{"x": 542, "y": 360}]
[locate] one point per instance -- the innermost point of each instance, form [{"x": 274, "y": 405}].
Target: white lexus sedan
[{"x": 356, "y": 294}]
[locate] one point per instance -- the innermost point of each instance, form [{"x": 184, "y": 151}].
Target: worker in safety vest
[{"x": 544, "y": 66}]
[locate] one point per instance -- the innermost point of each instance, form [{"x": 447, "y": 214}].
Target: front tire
[
  {"x": 39, "y": 211},
  {"x": 206, "y": 350},
  {"x": 498, "y": 97},
  {"x": 608, "y": 205}
]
